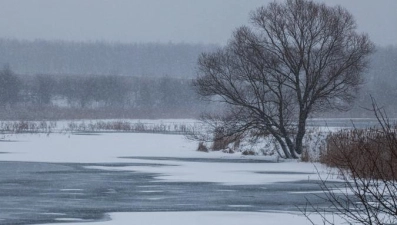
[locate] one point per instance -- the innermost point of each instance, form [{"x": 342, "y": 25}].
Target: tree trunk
[
  {"x": 288, "y": 142},
  {"x": 301, "y": 133},
  {"x": 291, "y": 147},
  {"x": 285, "y": 149}
]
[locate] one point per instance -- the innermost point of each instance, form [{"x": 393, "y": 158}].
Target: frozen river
[
  {"x": 34, "y": 192},
  {"x": 60, "y": 178}
]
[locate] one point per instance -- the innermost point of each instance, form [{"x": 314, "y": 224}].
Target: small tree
[
  {"x": 10, "y": 87},
  {"x": 366, "y": 161},
  {"x": 297, "y": 57},
  {"x": 44, "y": 88}
]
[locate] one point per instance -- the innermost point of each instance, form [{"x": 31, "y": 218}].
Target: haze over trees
[
  {"x": 49, "y": 71},
  {"x": 296, "y": 58},
  {"x": 61, "y": 80},
  {"x": 100, "y": 58}
]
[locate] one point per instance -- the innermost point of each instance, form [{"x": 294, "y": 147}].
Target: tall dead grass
[{"x": 369, "y": 153}]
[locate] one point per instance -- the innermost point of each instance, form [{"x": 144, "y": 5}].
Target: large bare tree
[{"x": 296, "y": 57}]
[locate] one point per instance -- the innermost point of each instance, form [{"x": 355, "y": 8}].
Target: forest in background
[
  {"x": 73, "y": 80},
  {"x": 101, "y": 58},
  {"x": 95, "y": 97}
]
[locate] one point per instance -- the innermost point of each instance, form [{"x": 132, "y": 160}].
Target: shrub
[
  {"x": 248, "y": 152},
  {"x": 202, "y": 147},
  {"x": 222, "y": 140}
]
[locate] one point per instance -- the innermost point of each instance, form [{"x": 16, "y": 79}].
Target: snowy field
[{"x": 129, "y": 149}]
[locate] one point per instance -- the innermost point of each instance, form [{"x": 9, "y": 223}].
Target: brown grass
[
  {"x": 306, "y": 157},
  {"x": 369, "y": 153}
]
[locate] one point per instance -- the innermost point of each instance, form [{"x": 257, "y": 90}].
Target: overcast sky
[{"x": 190, "y": 21}]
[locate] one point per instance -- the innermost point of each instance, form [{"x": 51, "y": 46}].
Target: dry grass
[
  {"x": 222, "y": 141},
  {"x": 27, "y": 126},
  {"x": 98, "y": 126},
  {"x": 369, "y": 153},
  {"x": 136, "y": 127}
]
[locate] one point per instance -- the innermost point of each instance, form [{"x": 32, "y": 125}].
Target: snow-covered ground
[
  {"x": 94, "y": 148},
  {"x": 207, "y": 218},
  {"x": 129, "y": 147}
]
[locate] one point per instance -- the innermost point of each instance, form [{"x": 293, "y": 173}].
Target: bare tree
[
  {"x": 297, "y": 57},
  {"x": 366, "y": 161}
]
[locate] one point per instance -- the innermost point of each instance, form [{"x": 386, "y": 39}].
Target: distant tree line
[
  {"x": 34, "y": 97},
  {"x": 75, "y": 80},
  {"x": 101, "y": 58}
]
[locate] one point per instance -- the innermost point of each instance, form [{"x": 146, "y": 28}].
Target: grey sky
[{"x": 191, "y": 21}]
